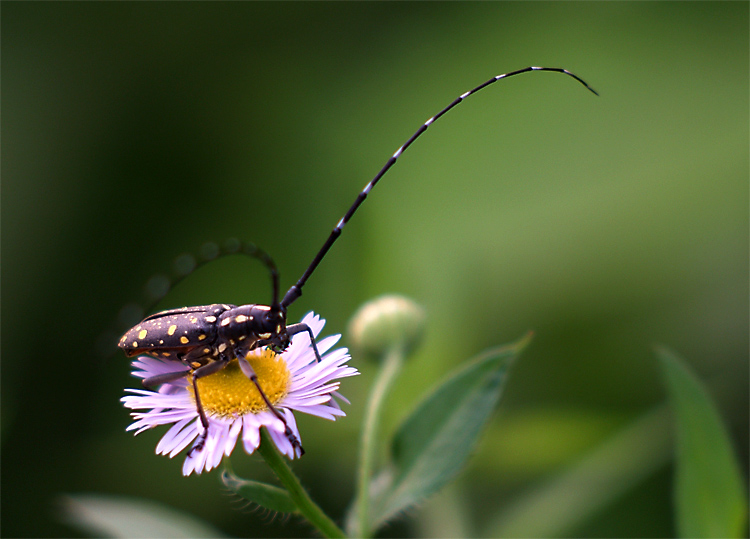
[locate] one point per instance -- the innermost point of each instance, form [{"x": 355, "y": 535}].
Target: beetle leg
[
  {"x": 292, "y": 330},
  {"x": 165, "y": 378},
  {"x": 299, "y": 328},
  {"x": 248, "y": 371},
  {"x": 200, "y": 372}
]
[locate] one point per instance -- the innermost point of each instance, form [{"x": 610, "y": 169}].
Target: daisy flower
[{"x": 292, "y": 380}]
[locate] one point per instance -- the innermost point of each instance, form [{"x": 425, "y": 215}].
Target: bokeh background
[{"x": 134, "y": 132}]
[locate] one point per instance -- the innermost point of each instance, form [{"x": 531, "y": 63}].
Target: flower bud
[{"x": 386, "y": 322}]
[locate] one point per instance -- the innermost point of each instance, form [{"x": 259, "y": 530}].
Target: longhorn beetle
[{"x": 206, "y": 338}]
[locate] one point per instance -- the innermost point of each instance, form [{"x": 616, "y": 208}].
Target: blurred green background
[{"x": 133, "y": 132}]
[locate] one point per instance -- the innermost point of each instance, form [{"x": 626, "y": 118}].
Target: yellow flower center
[{"x": 229, "y": 393}]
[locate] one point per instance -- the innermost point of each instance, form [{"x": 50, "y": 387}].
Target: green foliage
[
  {"x": 268, "y": 496},
  {"x": 434, "y": 442},
  {"x": 118, "y": 516},
  {"x": 589, "y": 484},
  {"x": 710, "y": 498}
]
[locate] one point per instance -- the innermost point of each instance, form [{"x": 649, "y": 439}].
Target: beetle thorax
[{"x": 252, "y": 323}]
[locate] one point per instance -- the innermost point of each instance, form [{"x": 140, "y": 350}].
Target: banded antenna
[
  {"x": 184, "y": 265},
  {"x": 296, "y": 290}
]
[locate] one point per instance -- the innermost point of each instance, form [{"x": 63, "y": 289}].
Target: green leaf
[
  {"x": 433, "y": 443},
  {"x": 588, "y": 484},
  {"x": 268, "y": 496},
  {"x": 102, "y": 515},
  {"x": 710, "y": 499}
]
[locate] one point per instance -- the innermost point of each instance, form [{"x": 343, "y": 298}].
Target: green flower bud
[{"x": 386, "y": 322}]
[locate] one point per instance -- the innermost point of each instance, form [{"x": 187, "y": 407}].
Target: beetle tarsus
[
  {"x": 199, "y": 443},
  {"x": 296, "y": 444}
]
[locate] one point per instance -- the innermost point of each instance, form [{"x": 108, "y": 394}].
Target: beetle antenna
[
  {"x": 296, "y": 290},
  {"x": 253, "y": 250},
  {"x": 186, "y": 264}
]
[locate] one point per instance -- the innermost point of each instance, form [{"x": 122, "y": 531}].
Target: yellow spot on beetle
[
  {"x": 142, "y": 334},
  {"x": 184, "y": 340},
  {"x": 171, "y": 329}
]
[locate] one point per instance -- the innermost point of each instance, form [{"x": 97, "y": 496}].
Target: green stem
[
  {"x": 306, "y": 506},
  {"x": 392, "y": 362}
]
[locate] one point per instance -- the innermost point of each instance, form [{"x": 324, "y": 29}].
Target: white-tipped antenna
[{"x": 296, "y": 291}]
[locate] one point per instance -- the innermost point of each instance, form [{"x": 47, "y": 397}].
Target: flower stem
[
  {"x": 306, "y": 506},
  {"x": 392, "y": 361}
]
